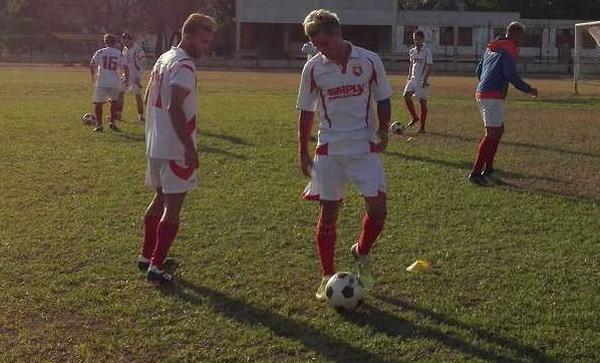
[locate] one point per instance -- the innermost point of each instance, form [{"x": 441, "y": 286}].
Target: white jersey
[
  {"x": 136, "y": 60},
  {"x": 419, "y": 58},
  {"x": 173, "y": 68},
  {"x": 110, "y": 64},
  {"x": 343, "y": 97}
]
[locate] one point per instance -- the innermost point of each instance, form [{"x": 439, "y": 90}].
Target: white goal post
[{"x": 586, "y": 62}]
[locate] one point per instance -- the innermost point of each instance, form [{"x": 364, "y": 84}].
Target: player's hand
[
  {"x": 191, "y": 156},
  {"x": 533, "y": 92},
  {"x": 383, "y": 135},
  {"x": 306, "y": 164}
]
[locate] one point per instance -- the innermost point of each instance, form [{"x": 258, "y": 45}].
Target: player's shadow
[
  {"x": 517, "y": 144},
  {"x": 229, "y": 138},
  {"x": 334, "y": 349},
  {"x": 132, "y": 136},
  {"x": 463, "y": 165},
  {"x": 505, "y": 350}
]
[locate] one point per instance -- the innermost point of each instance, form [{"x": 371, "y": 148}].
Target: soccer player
[
  {"x": 105, "y": 67},
  {"x": 342, "y": 83},
  {"x": 496, "y": 69},
  {"x": 171, "y": 106},
  {"x": 309, "y": 50},
  {"x": 136, "y": 62},
  {"x": 421, "y": 65}
]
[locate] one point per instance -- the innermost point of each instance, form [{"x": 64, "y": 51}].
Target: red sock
[
  {"x": 411, "y": 108},
  {"x": 371, "y": 229},
  {"x": 326, "y": 237},
  {"x": 114, "y": 107},
  {"x": 483, "y": 152},
  {"x": 98, "y": 112},
  {"x": 166, "y": 233},
  {"x": 493, "y": 149},
  {"x": 149, "y": 241},
  {"x": 423, "y": 113}
]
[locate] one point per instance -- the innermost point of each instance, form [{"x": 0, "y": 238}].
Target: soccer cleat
[
  {"x": 114, "y": 127},
  {"x": 421, "y": 130},
  {"x": 488, "y": 171},
  {"x": 321, "y": 295},
  {"x": 478, "y": 178},
  {"x": 364, "y": 266},
  {"x": 98, "y": 128},
  {"x": 143, "y": 263},
  {"x": 158, "y": 276}
]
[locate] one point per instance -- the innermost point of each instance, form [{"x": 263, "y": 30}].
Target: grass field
[{"x": 517, "y": 265}]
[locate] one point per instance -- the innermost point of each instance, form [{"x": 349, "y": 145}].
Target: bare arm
[
  {"x": 384, "y": 115},
  {"x": 178, "y": 95},
  {"x": 410, "y": 65},
  {"x": 93, "y": 68},
  {"x": 305, "y": 124},
  {"x": 428, "y": 69}
]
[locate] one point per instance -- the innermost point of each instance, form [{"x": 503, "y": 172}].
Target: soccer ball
[
  {"x": 89, "y": 119},
  {"x": 397, "y": 127},
  {"x": 344, "y": 292}
]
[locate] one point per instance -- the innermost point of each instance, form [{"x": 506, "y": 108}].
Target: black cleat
[
  {"x": 477, "y": 178},
  {"x": 158, "y": 276},
  {"x": 98, "y": 128},
  {"x": 488, "y": 171},
  {"x": 143, "y": 263}
]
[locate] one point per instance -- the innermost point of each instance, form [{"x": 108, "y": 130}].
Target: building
[{"x": 271, "y": 29}]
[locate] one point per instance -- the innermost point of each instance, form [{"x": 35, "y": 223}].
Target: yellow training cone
[{"x": 420, "y": 266}]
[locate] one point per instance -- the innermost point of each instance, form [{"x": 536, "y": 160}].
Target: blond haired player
[
  {"x": 342, "y": 83},
  {"x": 171, "y": 106},
  {"x": 106, "y": 66},
  {"x": 136, "y": 62},
  {"x": 421, "y": 65}
]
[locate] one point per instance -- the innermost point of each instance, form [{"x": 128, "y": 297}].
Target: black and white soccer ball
[
  {"x": 88, "y": 119},
  {"x": 344, "y": 292},
  {"x": 397, "y": 127}
]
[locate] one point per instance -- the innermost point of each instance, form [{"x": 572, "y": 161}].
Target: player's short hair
[
  {"x": 321, "y": 21},
  {"x": 515, "y": 26},
  {"x": 110, "y": 39},
  {"x": 198, "y": 21},
  {"x": 419, "y": 33}
]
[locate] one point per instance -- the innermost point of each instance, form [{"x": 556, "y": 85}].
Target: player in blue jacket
[{"x": 497, "y": 69}]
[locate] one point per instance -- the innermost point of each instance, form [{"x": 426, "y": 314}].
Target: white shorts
[
  {"x": 171, "y": 176},
  {"x": 416, "y": 86},
  {"x": 492, "y": 111},
  {"x": 331, "y": 173},
  {"x": 103, "y": 94}
]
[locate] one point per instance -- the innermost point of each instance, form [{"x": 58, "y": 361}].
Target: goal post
[{"x": 586, "y": 62}]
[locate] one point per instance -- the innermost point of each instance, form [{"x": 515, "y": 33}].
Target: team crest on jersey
[{"x": 357, "y": 70}]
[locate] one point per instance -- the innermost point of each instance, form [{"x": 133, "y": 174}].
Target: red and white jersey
[
  {"x": 136, "y": 60},
  {"x": 419, "y": 58},
  {"x": 343, "y": 97},
  {"x": 110, "y": 63},
  {"x": 173, "y": 68}
]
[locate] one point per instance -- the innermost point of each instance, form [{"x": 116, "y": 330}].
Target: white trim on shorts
[
  {"x": 171, "y": 176},
  {"x": 104, "y": 94},
  {"x": 415, "y": 85},
  {"x": 331, "y": 173},
  {"x": 492, "y": 111}
]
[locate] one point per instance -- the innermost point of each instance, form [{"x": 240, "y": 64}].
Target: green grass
[{"x": 516, "y": 265}]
